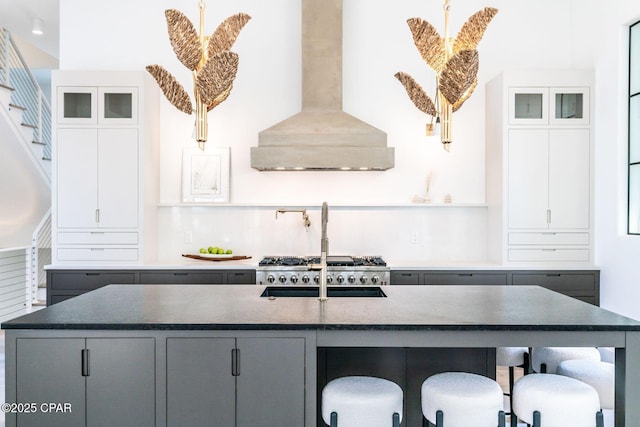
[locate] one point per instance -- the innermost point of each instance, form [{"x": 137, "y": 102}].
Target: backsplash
[{"x": 403, "y": 233}]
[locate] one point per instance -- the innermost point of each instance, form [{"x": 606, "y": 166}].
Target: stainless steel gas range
[{"x": 341, "y": 270}]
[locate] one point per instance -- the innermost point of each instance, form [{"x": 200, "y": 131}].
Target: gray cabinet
[
  {"x": 243, "y": 382},
  {"x": 65, "y": 284},
  {"x": 581, "y": 284},
  {"x": 104, "y": 380}
]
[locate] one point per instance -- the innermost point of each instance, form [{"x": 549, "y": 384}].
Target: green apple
[
  {"x": 203, "y": 250},
  {"x": 212, "y": 250},
  {"x": 220, "y": 251},
  {"x": 229, "y": 251}
]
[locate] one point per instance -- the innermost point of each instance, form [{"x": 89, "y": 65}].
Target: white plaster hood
[{"x": 322, "y": 136}]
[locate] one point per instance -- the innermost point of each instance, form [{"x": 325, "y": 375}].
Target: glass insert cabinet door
[
  {"x": 97, "y": 105},
  {"x": 549, "y": 106},
  {"x": 634, "y": 130}
]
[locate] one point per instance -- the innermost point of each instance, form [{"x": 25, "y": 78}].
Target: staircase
[
  {"x": 23, "y": 103},
  {"x": 25, "y": 170}
]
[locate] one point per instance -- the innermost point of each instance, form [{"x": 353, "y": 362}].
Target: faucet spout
[{"x": 324, "y": 249}]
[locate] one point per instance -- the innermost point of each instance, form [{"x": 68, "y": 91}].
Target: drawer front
[
  {"x": 87, "y": 280},
  {"x": 548, "y": 255},
  {"x": 405, "y": 277},
  {"x": 247, "y": 277},
  {"x": 548, "y": 238},
  {"x": 97, "y": 238},
  {"x": 181, "y": 277},
  {"x": 464, "y": 278},
  {"x": 97, "y": 254},
  {"x": 558, "y": 281}
]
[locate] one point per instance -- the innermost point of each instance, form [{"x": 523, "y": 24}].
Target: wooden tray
[{"x": 233, "y": 258}]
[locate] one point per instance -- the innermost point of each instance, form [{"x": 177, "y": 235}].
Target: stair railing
[
  {"x": 27, "y": 94},
  {"x": 40, "y": 256}
]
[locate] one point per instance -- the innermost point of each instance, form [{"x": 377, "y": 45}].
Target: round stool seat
[
  {"x": 552, "y": 356},
  {"x": 599, "y": 375},
  {"x": 510, "y": 356},
  {"x": 462, "y": 396},
  {"x": 561, "y": 401},
  {"x": 361, "y": 401}
]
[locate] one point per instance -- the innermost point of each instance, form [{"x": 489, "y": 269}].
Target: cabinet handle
[
  {"x": 91, "y": 274},
  {"x": 465, "y": 275},
  {"x": 180, "y": 274},
  {"x": 553, "y": 275},
  {"x": 98, "y": 216},
  {"x": 548, "y": 216},
  {"x": 85, "y": 362},
  {"x": 235, "y": 362}
]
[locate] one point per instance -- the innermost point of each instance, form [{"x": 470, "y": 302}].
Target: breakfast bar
[{"x": 166, "y": 355}]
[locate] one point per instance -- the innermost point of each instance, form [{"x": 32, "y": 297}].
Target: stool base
[
  {"x": 395, "y": 420},
  {"x": 440, "y": 423}
]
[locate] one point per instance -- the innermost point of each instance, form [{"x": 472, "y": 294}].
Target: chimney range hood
[{"x": 322, "y": 136}]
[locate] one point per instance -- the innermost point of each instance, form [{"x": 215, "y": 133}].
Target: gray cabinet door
[
  {"x": 121, "y": 382},
  {"x": 50, "y": 371},
  {"x": 271, "y": 384},
  {"x": 200, "y": 385},
  {"x": 181, "y": 277}
]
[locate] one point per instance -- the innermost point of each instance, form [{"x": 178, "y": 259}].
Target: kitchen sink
[{"x": 332, "y": 291}]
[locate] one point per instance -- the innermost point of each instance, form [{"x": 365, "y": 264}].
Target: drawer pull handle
[
  {"x": 92, "y": 274},
  {"x": 553, "y": 275},
  {"x": 97, "y": 249},
  {"x": 180, "y": 274},
  {"x": 548, "y": 250},
  {"x": 465, "y": 275}
]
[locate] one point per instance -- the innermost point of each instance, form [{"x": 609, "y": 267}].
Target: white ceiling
[{"x": 17, "y": 17}]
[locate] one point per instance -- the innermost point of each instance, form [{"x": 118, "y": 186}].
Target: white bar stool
[
  {"x": 556, "y": 401},
  {"x": 512, "y": 357},
  {"x": 454, "y": 399},
  {"x": 599, "y": 375},
  {"x": 545, "y": 360},
  {"x": 359, "y": 401}
]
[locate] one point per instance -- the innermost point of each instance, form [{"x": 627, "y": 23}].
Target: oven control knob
[
  {"x": 352, "y": 278},
  {"x": 329, "y": 278},
  {"x": 305, "y": 279},
  {"x": 340, "y": 278},
  {"x": 375, "y": 278},
  {"x": 282, "y": 278},
  {"x": 316, "y": 279},
  {"x": 271, "y": 278},
  {"x": 294, "y": 279},
  {"x": 363, "y": 279}
]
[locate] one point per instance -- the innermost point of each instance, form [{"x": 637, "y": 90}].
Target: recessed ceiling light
[{"x": 37, "y": 27}]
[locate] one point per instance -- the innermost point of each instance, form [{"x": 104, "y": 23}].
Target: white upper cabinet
[
  {"x": 84, "y": 105},
  {"x": 548, "y": 105}
]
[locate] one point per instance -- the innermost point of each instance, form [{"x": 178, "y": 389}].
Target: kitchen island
[{"x": 163, "y": 354}]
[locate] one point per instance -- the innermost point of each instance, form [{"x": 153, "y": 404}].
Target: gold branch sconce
[
  {"x": 455, "y": 62},
  {"x": 210, "y": 60}
]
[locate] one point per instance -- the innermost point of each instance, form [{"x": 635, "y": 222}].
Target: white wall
[{"x": 377, "y": 43}]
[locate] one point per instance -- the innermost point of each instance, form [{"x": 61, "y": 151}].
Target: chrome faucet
[{"x": 324, "y": 248}]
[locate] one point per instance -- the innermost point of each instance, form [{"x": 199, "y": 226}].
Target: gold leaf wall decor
[
  {"x": 456, "y": 63},
  {"x": 213, "y": 65}
]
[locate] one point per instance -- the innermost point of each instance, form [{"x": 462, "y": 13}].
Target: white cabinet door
[
  {"x": 97, "y": 185},
  {"x": 528, "y": 178},
  {"x": 118, "y": 178},
  {"x": 77, "y": 186},
  {"x": 569, "y": 182}
]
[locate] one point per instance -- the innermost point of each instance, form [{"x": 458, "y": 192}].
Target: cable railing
[{"x": 27, "y": 95}]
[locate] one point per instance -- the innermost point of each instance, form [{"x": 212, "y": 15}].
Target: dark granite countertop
[{"x": 195, "y": 307}]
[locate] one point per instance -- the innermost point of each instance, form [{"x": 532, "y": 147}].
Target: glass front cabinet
[
  {"x": 98, "y": 105},
  {"x": 549, "y": 106}
]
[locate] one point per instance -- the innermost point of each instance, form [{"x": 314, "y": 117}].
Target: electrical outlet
[
  {"x": 414, "y": 238},
  {"x": 188, "y": 237}
]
